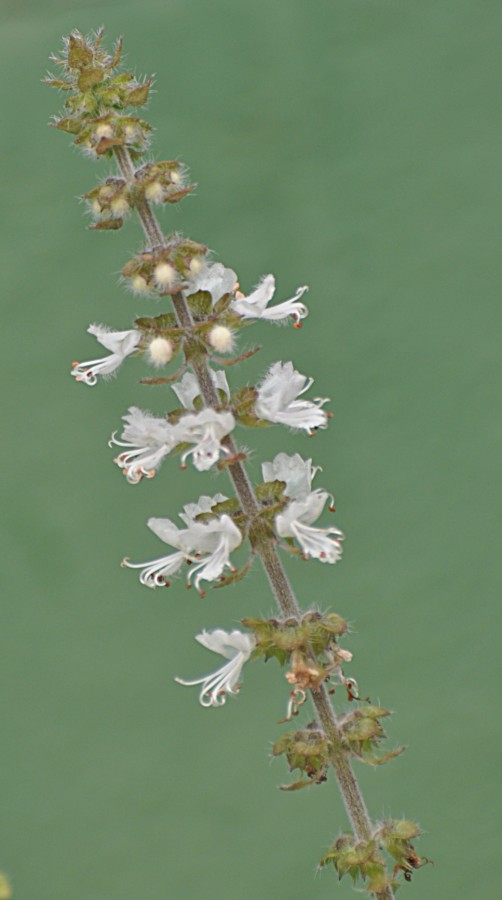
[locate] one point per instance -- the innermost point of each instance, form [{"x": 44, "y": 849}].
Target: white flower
[
  {"x": 295, "y": 521},
  {"x": 147, "y": 440},
  {"x": 188, "y": 388},
  {"x": 235, "y": 646},
  {"x": 120, "y": 344},
  {"x": 298, "y": 473},
  {"x": 276, "y": 399},
  {"x": 215, "y": 279},
  {"x": 206, "y": 543},
  {"x": 255, "y": 305},
  {"x": 204, "y": 430},
  {"x": 304, "y": 508}
]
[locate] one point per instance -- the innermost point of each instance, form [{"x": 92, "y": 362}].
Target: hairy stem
[{"x": 279, "y": 582}]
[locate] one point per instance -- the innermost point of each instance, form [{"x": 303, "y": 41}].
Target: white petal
[
  {"x": 188, "y": 388},
  {"x": 166, "y": 530},
  {"x": 214, "y": 278},
  {"x": 227, "y": 643},
  {"x": 295, "y": 471},
  {"x": 204, "y": 504},
  {"x": 156, "y": 572}
]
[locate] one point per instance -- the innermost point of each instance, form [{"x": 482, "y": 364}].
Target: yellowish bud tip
[
  {"x": 164, "y": 275},
  {"x": 221, "y": 339},
  {"x": 96, "y": 207},
  {"x": 139, "y": 284},
  {"x": 119, "y": 207},
  {"x": 104, "y": 130},
  {"x": 131, "y": 132},
  {"x": 160, "y": 351},
  {"x": 195, "y": 265},
  {"x": 175, "y": 177},
  {"x": 154, "y": 192}
]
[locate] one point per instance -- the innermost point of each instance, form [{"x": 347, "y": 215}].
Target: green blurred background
[{"x": 350, "y": 144}]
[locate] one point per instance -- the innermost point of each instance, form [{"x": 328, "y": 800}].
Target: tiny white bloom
[
  {"x": 205, "y": 431},
  {"x": 255, "y": 305},
  {"x": 213, "y": 278},
  {"x": 304, "y": 508},
  {"x": 276, "y": 400},
  {"x": 188, "y": 388},
  {"x": 207, "y": 544},
  {"x": 147, "y": 440},
  {"x": 235, "y": 646},
  {"x": 120, "y": 344}
]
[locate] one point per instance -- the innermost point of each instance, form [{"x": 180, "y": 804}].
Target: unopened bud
[
  {"x": 154, "y": 192},
  {"x": 119, "y": 206},
  {"x": 221, "y": 339},
  {"x": 164, "y": 275},
  {"x": 160, "y": 351},
  {"x": 104, "y": 130},
  {"x": 131, "y": 133},
  {"x": 195, "y": 265},
  {"x": 139, "y": 285}
]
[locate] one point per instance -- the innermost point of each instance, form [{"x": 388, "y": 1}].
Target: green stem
[{"x": 279, "y": 582}]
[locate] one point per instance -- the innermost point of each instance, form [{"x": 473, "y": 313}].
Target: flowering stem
[{"x": 283, "y": 592}]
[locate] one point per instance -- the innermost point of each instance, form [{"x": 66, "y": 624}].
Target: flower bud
[
  {"x": 160, "y": 351},
  {"x": 195, "y": 265},
  {"x": 139, "y": 285},
  {"x": 164, "y": 275},
  {"x": 103, "y": 130},
  {"x": 221, "y": 339},
  {"x": 154, "y": 192}
]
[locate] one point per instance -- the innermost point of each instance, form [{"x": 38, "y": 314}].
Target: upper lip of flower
[
  {"x": 237, "y": 647},
  {"x": 188, "y": 388},
  {"x": 214, "y": 278}
]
